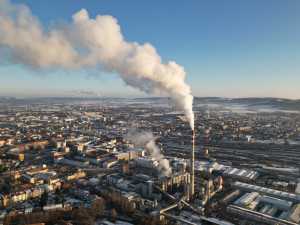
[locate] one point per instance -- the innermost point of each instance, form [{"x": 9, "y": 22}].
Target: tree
[
  {"x": 97, "y": 207},
  {"x": 113, "y": 195},
  {"x": 28, "y": 219},
  {"x": 21, "y": 219},
  {"x": 57, "y": 196},
  {"x": 57, "y": 199},
  {"x": 83, "y": 217},
  {"x": 122, "y": 202},
  {"x": 131, "y": 208},
  {"x": 66, "y": 186},
  {"x": 153, "y": 220},
  {"x": 5, "y": 187},
  {"x": 142, "y": 221},
  {"x": 7, "y": 220},
  {"x": 113, "y": 215},
  {"x": 43, "y": 199},
  {"x": 54, "y": 217}
]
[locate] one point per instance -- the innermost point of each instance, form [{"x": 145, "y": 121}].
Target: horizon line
[{"x": 28, "y": 97}]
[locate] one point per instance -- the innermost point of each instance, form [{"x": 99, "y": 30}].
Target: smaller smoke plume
[
  {"x": 87, "y": 92},
  {"x": 80, "y": 91},
  {"x": 146, "y": 140}
]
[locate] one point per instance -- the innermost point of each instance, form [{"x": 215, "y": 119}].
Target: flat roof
[{"x": 267, "y": 191}]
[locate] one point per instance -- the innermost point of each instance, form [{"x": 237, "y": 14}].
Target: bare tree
[
  {"x": 113, "y": 215},
  {"x": 97, "y": 207}
]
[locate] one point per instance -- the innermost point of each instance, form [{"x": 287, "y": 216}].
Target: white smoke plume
[
  {"x": 146, "y": 140},
  {"x": 88, "y": 42}
]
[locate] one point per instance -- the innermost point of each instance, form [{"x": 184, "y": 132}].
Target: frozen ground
[{"x": 105, "y": 222}]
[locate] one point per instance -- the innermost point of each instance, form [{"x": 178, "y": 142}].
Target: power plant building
[
  {"x": 175, "y": 179},
  {"x": 246, "y": 199},
  {"x": 147, "y": 162}
]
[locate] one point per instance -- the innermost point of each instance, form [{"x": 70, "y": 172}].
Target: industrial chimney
[
  {"x": 99, "y": 103},
  {"x": 192, "y": 164}
]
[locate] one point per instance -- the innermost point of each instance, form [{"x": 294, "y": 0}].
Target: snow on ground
[
  {"x": 71, "y": 200},
  {"x": 289, "y": 170},
  {"x": 105, "y": 222},
  {"x": 215, "y": 220}
]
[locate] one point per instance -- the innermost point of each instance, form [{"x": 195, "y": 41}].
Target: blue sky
[{"x": 229, "y": 48}]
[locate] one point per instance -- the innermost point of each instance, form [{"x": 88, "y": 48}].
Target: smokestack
[
  {"x": 99, "y": 98},
  {"x": 192, "y": 164},
  {"x": 99, "y": 103}
]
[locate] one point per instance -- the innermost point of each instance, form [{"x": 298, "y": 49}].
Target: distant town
[{"x": 128, "y": 161}]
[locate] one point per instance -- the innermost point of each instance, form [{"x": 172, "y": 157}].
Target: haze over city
[{"x": 227, "y": 48}]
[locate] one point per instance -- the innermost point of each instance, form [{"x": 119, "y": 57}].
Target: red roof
[
  {"x": 15, "y": 138},
  {"x": 104, "y": 155},
  {"x": 125, "y": 165},
  {"x": 111, "y": 160},
  {"x": 31, "y": 143},
  {"x": 57, "y": 139}
]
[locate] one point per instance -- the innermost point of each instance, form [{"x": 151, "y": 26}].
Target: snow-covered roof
[{"x": 268, "y": 191}]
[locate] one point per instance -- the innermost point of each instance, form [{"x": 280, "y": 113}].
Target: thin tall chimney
[
  {"x": 99, "y": 102},
  {"x": 192, "y": 164}
]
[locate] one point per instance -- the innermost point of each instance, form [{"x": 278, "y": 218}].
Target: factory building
[
  {"x": 294, "y": 214},
  {"x": 174, "y": 180},
  {"x": 266, "y": 209},
  {"x": 148, "y": 190},
  {"x": 246, "y": 199},
  {"x": 232, "y": 196},
  {"x": 267, "y": 191},
  {"x": 147, "y": 162},
  {"x": 241, "y": 174},
  {"x": 257, "y": 217},
  {"x": 280, "y": 204}
]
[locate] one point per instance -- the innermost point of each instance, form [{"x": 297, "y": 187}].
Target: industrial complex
[{"x": 156, "y": 171}]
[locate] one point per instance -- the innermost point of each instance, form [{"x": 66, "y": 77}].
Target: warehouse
[
  {"x": 241, "y": 174},
  {"x": 267, "y": 191}
]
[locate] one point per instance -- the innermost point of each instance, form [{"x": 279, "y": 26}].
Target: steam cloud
[
  {"x": 89, "y": 43},
  {"x": 146, "y": 140}
]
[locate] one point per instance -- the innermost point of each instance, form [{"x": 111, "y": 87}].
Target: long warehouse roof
[{"x": 268, "y": 191}]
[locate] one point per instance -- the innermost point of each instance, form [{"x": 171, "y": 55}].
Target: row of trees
[
  {"x": 84, "y": 216},
  {"x": 120, "y": 202}
]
